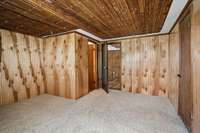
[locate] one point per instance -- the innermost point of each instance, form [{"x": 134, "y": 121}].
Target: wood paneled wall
[
  {"x": 59, "y": 53},
  {"x": 66, "y": 64},
  {"x": 174, "y": 48},
  {"x": 21, "y": 67},
  {"x": 32, "y": 66},
  {"x": 81, "y": 64},
  {"x": 145, "y": 65}
]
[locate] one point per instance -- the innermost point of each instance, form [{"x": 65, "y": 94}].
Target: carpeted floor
[{"x": 98, "y": 112}]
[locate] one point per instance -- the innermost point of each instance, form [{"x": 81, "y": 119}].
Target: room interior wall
[
  {"x": 66, "y": 64},
  {"x": 174, "y": 56},
  {"x": 81, "y": 64},
  {"x": 145, "y": 65},
  {"x": 59, "y": 62},
  {"x": 22, "y": 73},
  {"x": 32, "y": 66},
  {"x": 151, "y": 65}
]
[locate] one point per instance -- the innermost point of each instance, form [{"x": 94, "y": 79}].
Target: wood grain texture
[
  {"x": 126, "y": 66},
  {"x": 188, "y": 44},
  {"x": 114, "y": 69},
  {"x": 145, "y": 65},
  {"x": 66, "y": 64},
  {"x": 104, "y": 18},
  {"x": 185, "y": 87},
  {"x": 60, "y": 65},
  {"x": 195, "y": 50},
  {"x": 92, "y": 66},
  {"x": 174, "y": 49},
  {"x": 32, "y": 66},
  {"x": 81, "y": 64},
  {"x": 21, "y": 75}
]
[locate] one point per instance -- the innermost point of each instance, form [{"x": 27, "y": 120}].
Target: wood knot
[
  {"x": 11, "y": 48},
  {"x": 164, "y": 70},
  {"x": 123, "y": 86}
]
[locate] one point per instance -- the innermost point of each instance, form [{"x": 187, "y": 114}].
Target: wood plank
[
  {"x": 20, "y": 67},
  {"x": 195, "y": 48},
  {"x": 145, "y": 65},
  {"x": 174, "y": 48},
  {"x": 81, "y": 64},
  {"x": 103, "y": 18}
]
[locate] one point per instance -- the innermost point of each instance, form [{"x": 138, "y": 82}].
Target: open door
[{"x": 105, "y": 67}]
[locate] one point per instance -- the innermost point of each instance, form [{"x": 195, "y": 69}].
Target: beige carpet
[{"x": 117, "y": 112}]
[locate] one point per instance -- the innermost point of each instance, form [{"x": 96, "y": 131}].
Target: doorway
[
  {"x": 114, "y": 66},
  {"x": 92, "y": 66}
]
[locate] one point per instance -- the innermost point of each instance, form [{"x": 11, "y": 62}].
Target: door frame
[
  {"x": 95, "y": 67},
  {"x": 115, "y": 43}
]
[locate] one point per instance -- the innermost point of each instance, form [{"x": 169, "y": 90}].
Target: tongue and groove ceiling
[{"x": 103, "y": 18}]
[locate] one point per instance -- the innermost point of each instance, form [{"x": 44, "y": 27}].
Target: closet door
[{"x": 185, "y": 86}]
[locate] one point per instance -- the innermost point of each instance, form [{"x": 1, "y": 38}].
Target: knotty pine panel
[
  {"x": 174, "y": 47},
  {"x": 32, "y": 66},
  {"x": 49, "y": 64},
  {"x": 145, "y": 65},
  {"x": 126, "y": 66},
  {"x": 66, "y": 64},
  {"x": 60, "y": 65},
  {"x": 21, "y": 75},
  {"x": 81, "y": 60}
]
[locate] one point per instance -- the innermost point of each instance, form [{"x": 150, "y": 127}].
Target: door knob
[{"x": 179, "y": 75}]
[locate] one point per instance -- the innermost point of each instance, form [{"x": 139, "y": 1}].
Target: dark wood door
[
  {"x": 185, "y": 87},
  {"x": 105, "y": 67}
]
